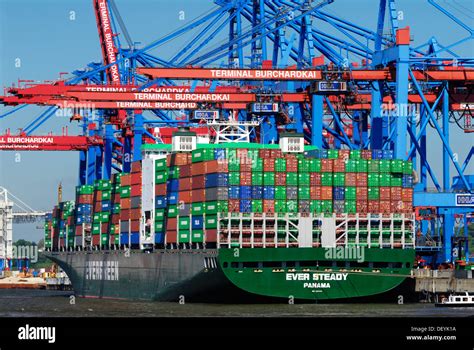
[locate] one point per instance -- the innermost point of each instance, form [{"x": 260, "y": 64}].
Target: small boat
[{"x": 457, "y": 301}]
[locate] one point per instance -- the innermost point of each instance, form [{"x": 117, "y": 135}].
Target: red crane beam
[{"x": 47, "y": 143}]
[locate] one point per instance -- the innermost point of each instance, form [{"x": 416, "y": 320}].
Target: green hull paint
[{"x": 310, "y": 281}]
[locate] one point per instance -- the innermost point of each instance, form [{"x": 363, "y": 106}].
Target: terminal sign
[{"x": 464, "y": 200}]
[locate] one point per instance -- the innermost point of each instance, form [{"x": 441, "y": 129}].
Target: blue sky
[{"x": 46, "y": 40}]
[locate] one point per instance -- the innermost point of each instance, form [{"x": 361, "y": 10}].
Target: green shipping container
[
  {"x": 85, "y": 189},
  {"x": 160, "y": 165},
  {"x": 361, "y": 166},
  {"x": 373, "y": 193},
  {"x": 159, "y": 226},
  {"x": 234, "y": 178},
  {"x": 303, "y": 179},
  {"x": 350, "y": 206},
  {"x": 257, "y": 164},
  {"x": 211, "y": 221},
  {"x": 292, "y": 206},
  {"x": 234, "y": 164},
  {"x": 292, "y": 179},
  {"x": 223, "y": 206},
  {"x": 197, "y": 208},
  {"x": 351, "y": 165},
  {"x": 159, "y": 214},
  {"x": 173, "y": 172},
  {"x": 303, "y": 192},
  {"x": 103, "y": 185},
  {"x": 257, "y": 206},
  {"x": 373, "y": 179},
  {"x": 326, "y": 206},
  {"x": 172, "y": 211},
  {"x": 408, "y": 167},
  {"x": 183, "y": 236},
  {"x": 280, "y": 206},
  {"x": 355, "y": 154},
  {"x": 396, "y": 166},
  {"x": 95, "y": 229},
  {"x": 104, "y": 239},
  {"x": 315, "y": 165},
  {"x": 125, "y": 192},
  {"x": 326, "y": 179},
  {"x": 373, "y": 166},
  {"x": 339, "y": 179},
  {"x": 197, "y": 236},
  {"x": 333, "y": 153},
  {"x": 269, "y": 179},
  {"x": 315, "y": 206},
  {"x": 161, "y": 177},
  {"x": 384, "y": 166},
  {"x": 106, "y": 195},
  {"x": 183, "y": 223},
  {"x": 384, "y": 179},
  {"x": 396, "y": 180},
  {"x": 350, "y": 193},
  {"x": 210, "y": 207},
  {"x": 257, "y": 179},
  {"x": 202, "y": 155},
  {"x": 304, "y": 165},
  {"x": 280, "y": 164},
  {"x": 116, "y": 209},
  {"x": 280, "y": 192},
  {"x": 104, "y": 217}
]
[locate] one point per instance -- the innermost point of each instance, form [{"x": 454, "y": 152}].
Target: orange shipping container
[
  {"x": 315, "y": 192},
  {"x": 125, "y": 180},
  {"x": 407, "y": 194},
  {"x": 217, "y": 166},
  {"x": 171, "y": 224},
  {"x": 136, "y": 167},
  {"x": 326, "y": 192},
  {"x": 327, "y": 166},
  {"x": 136, "y": 179},
  {"x": 185, "y": 196},
  {"x": 185, "y": 184},
  {"x": 361, "y": 193},
  {"x": 384, "y": 193},
  {"x": 396, "y": 193},
  {"x": 198, "y": 168},
  {"x": 171, "y": 236},
  {"x": 160, "y": 189},
  {"x": 125, "y": 203},
  {"x": 351, "y": 179},
  {"x": 135, "y": 225},
  {"x": 198, "y": 195}
]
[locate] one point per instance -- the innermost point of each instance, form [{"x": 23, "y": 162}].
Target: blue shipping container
[
  {"x": 257, "y": 192},
  {"x": 197, "y": 222},
  {"x": 338, "y": 193},
  {"x": 159, "y": 237},
  {"x": 135, "y": 238},
  {"x": 245, "y": 192},
  {"x": 234, "y": 192},
  {"x": 377, "y": 154},
  {"x": 173, "y": 198},
  {"x": 323, "y": 153},
  {"x": 106, "y": 205},
  {"x": 219, "y": 153},
  {"x": 387, "y": 154},
  {"x": 245, "y": 206},
  {"x": 160, "y": 202},
  {"x": 124, "y": 238},
  {"x": 407, "y": 181},
  {"x": 268, "y": 192},
  {"x": 173, "y": 185},
  {"x": 216, "y": 180}
]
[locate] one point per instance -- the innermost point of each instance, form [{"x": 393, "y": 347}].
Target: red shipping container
[
  {"x": 351, "y": 179},
  {"x": 327, "y": 165},
  {"x": 171, "y": 236},
  {"x": 396, "y": 193},
  {"x": 344, "y": 154},
  {"x": 242, "y": 153},
  {"x": 136, "y": 179},
  {"x": 78, "y": 230},
  {"x": 135, "y": 214},
  {"x": 280, "y": 179},
  {"x": 97, "y": 207},
  {"x": 135, "y": 225},
  {"x": 116, "y": 198},
  {"x": 246, "y": 166},
  {"x": 366, "y": 154},
  {"x": 216, "y": 166},
  {"x": 315, "y": 179},
  {"x": 198, "y": 168},
  {"x": 185, "y": 184},
  {"x": 171, "y": 224},
  {"x": 361, "y": 193},
  {"x": 291, "y": 163},
  {"x": 268, "y": 164},
  {"x": 136, "y": 167},
  {"x": 407, "y": 194},
  {"x": 361, "y": 179},
  {"x": 185, "y": 196},
  {"x": 125, "y": 203},
  {"x": 124, "y": 214},
  {"x": 373, "y": 206},
  {"x": 326, "y": 192},
  {"x": 385, "y": 207},
  {"x": 198, "y": 195},
  {"x": 234, "y": 205},
  {"x": 70, "y": 220},
  {"x": 264, "y": 153},
  {"x": 198, "y": 182},
  {"x": 315, "y": 192},
  {"x": 136, "y": 191},
  {"x": 160, "y": 189},
  {"x": 86, "y": 199},
  {"x": 384, "y": 193},
  {"x": 211, "y": 236},
  {"x": 125, "y": 180},
  {"x": 339, "y": 165},
  {"x": 276, "y": 153},
  {"x": 96, "y": 240},
  {"x": 115, "y": 219},
  {"x": 98, "y": 196},
  {"x": 245, "y": 178},
  {"x": 177, "y": 159},
  {"x": 268, "y": 206},
  {"x": 185, "y": 171},
  {"x": 104, "y": 227},
  {"x": 362, "y": 206},
  {"x": 407, "y": 207}
]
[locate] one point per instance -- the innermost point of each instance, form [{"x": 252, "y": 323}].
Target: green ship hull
[{"x": 235, "y": 274}]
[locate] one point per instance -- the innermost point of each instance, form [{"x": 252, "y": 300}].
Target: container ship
[{"x": 240, "y": 221}]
